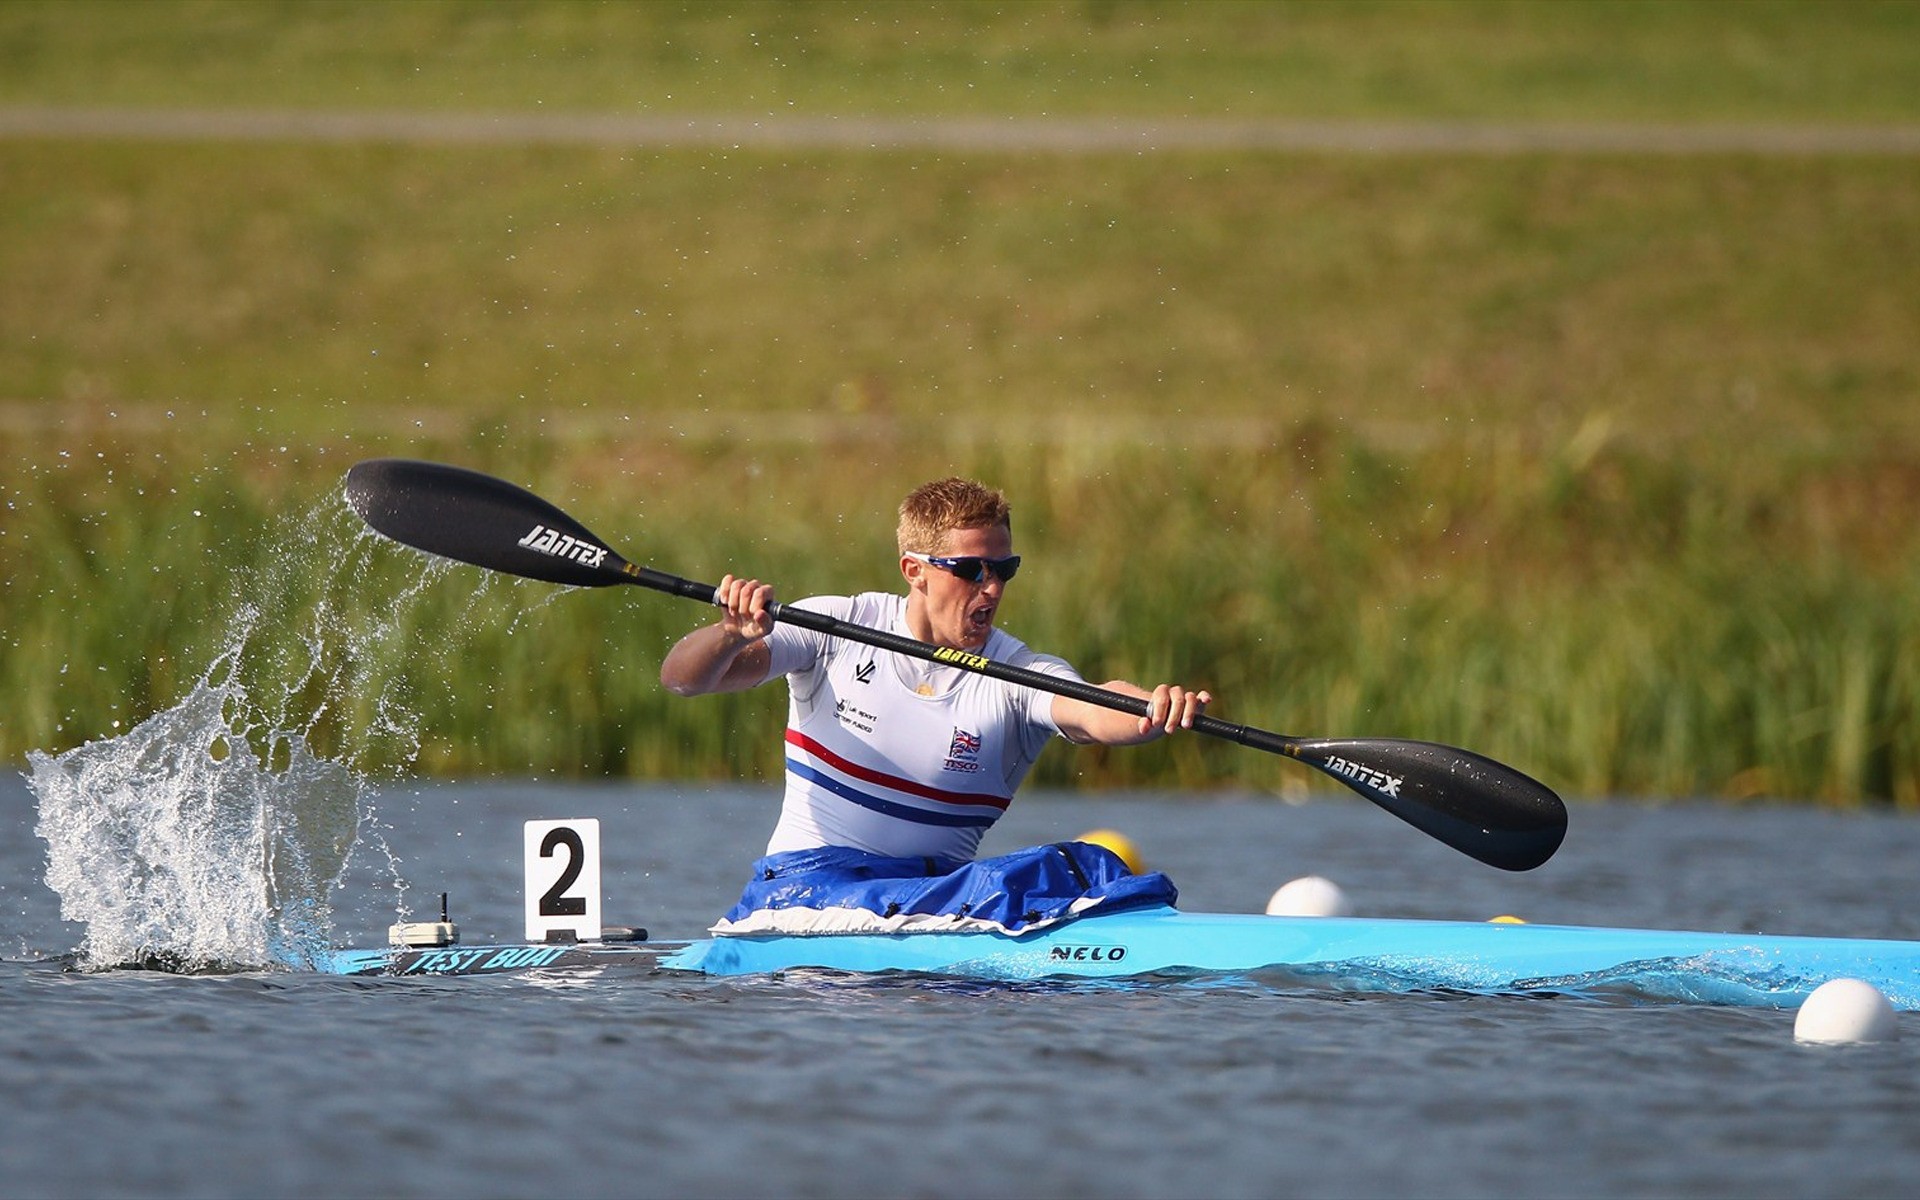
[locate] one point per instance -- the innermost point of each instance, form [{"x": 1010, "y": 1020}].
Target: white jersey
[{"x": 894, "y": 755}]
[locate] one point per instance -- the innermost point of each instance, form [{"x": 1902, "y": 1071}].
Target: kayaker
[{"x": 895, "y": 767}]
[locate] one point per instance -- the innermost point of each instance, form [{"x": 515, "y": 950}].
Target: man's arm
[
  {"x": 1170, "y": 708},
  {"x": 730, "y": 655}
]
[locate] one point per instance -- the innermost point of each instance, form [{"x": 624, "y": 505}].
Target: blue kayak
[{"x": 1371, "y": 954}]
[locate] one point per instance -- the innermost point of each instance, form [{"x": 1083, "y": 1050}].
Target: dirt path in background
[{"x": 1050, "y": 135}]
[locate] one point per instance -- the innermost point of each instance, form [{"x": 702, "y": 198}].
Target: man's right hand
[
  {"x": 731, "y": 654},
  {"x": 746, "y": 602}
]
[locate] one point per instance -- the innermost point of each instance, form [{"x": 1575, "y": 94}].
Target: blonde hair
[{"x": 933, "y": 510}]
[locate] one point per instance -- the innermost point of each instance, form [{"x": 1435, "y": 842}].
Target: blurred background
[{"x": 1538, "y": 378}]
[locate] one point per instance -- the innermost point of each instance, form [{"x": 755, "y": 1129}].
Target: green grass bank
[
  {"x": 377, "y": 288},
  {"x": 1580, "y": 60}
]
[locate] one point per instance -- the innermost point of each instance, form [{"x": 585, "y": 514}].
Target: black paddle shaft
[{"x": 1478, "y": 806}]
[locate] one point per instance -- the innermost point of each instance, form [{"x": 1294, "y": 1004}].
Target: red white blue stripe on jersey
[{"x": 871, "y": 789}]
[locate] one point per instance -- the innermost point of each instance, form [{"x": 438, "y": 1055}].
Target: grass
[
  {"x": 1765, "y": 60},
  {"x": 314, "y": 290},
  {"x": 1605, "y": 465}
]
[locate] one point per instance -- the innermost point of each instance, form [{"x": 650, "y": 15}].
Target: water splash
[
  {"x": 210, "y": 835},
  {"x": 178, "y": 844}
]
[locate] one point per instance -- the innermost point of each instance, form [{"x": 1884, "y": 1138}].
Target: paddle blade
[
  {"x": 1476, "y": 805},
  {"x": 477, "y": 519}
]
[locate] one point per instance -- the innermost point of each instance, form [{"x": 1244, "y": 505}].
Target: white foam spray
[
  {"x": 209, "y": 836},
  {"x": 178, "y": 844}
]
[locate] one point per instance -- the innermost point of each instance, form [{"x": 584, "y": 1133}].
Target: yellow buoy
[
  {"x": 1505, "y": 919},
  {"x": 1117, "y": 842}
]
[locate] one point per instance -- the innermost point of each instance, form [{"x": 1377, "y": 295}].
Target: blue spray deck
[{"x": 1752, "y": 970}]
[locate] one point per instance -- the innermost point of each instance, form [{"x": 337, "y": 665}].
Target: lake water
[{"x": 637, "y": 1083}]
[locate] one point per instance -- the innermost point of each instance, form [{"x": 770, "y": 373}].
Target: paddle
[{"x": 1474, "y": 804}]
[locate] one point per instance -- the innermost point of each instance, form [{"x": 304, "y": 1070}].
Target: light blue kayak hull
[{"x": 1356, "y": 953}]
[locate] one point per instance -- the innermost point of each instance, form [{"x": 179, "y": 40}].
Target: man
[{"x": 896, "y": 767}]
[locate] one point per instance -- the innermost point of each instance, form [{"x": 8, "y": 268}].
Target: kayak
[{"x": 1161, "y": 943}]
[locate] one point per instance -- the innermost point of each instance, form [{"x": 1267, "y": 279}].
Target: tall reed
[{"x": 1610, "y": 620}]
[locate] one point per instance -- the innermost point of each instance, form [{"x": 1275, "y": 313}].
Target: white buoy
[
  {"x": 1309, "y": 896},
  {"x": 1845, "y": 1012}
]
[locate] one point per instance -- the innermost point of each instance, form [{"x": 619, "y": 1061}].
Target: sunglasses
[{"x": 971, "y": 567}]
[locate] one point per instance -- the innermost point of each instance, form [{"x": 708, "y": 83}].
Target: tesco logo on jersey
[{"x": 963, "y": 753}]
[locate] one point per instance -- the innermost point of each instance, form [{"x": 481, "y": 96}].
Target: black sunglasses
[{"x": 972, "y": 567}]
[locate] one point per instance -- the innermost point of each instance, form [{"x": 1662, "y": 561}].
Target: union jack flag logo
[{"x": 965, "y": 745}]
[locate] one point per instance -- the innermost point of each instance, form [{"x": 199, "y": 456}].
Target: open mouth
[{"x": 980, "y": 621}]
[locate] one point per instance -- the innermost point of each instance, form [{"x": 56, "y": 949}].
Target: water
[{"x": 634, "y": 1083}]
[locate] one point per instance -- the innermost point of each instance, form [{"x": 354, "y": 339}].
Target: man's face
[{"x": 960, "y": 613}]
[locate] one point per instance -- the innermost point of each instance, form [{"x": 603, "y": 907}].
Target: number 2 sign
[{"x": 563, "y": 879}]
